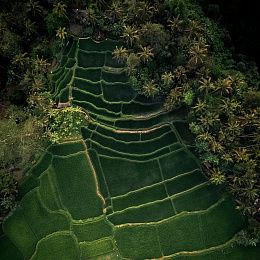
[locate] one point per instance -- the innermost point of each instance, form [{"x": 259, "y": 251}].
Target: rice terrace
[{"x": 131, "y": 188}]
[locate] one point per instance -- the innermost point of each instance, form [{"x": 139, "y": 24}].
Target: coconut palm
[
  {"x": 133, "y": 61},
  {"x": 101, "y": 4},
  {"x": 167, "y": 78},
  {"x": 198, "y": 53},
  {"x": 225, "y": 86},
  {"x": 209, "y": 120},
  {"x": 29, "y": 27},
  {"x": 21, "y": 59},
  {"x": 60, "y": 9},
  {"x": 144, "y": 11},
  {"x": 241, "y": 154},
  {"x": 216, "y": 176},
  {"x": 173, "y": 99},
  {"x": 180, "y": 75},
  {"x": 120, "y": 54},
  {"x": 206, "y": 85},
  {"x": 194, "y": 29},
  {"x": 175, "y": 24},
  {"x": 61, "y": 33},
  {"x": 34, "y": 7},
  {"x": 150, "y": 89},
  {"x": 200, "y": 106},
  {"x": 233, "y": 128},
  {"x": 206, "y": 136},
  {"x": 229, "y": 106},
  {"x": 115, "y": 11},
  {"x": 130, "y": 34},
  {"x": 146, "y": 53},
  {"x": 216, "y": 146},
  {"x": 41, "y": 65}
]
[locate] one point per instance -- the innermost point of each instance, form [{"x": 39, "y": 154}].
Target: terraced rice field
[{"x": 130, "y": 189}]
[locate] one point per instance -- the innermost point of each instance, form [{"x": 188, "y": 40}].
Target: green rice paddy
[{"x": 131, "y": 188}]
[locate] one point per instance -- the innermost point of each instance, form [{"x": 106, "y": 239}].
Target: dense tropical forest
[{"x": 189, "y": 79}]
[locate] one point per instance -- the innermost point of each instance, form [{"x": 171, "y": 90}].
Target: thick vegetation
[
  {"x": 173, "y": 54},
  {"x": 131, "y": 188}
]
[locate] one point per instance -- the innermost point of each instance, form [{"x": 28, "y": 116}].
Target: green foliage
[
  {"x": 54, "y": 22},
  {"x": 9, "y": 44},
  {"x": 248, "y": 237},
  {"x": 65, "y": 123},
  {"x": 8, "y": 188},
  {"x": 188, "y": 97}
]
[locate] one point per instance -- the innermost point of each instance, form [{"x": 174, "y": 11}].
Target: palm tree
[
  {"x": 173, "y": 99},
  {"x": 21, "y": 59},
  {"x": 150, "y": 89},
  {"x": 175, "y": 24},
  {"x": 130, "y": 34},
  {"x": 209, "y": 120},
  {"x": 144, "y": 11},
  {"x": 241, "y": 154},
  {"x": 115, "y": 11},
  {"x": 101, "y": 4},
  {"x": 216, "y": 146},
  {"x": 194, "y": 29},
  {"x": 133, "y": 61},
  {"x": 61, "y": 33},
  {"x": 200, "y": 106},
  {"x": 217, "y": 177},
  {"x": 229, "y": 106},
  {"x": 206, "y": 136},
  {"x": 167, "y": 78},
  {"x": 41, "y": 65},
  {"x": 225, "y": 86},
  {"x": 29, "y": 27},
  {"x": 91, "y": 16},
  {"x": 198, "y": 53},
  {"x": 206, "y": 85},
  {"x": 145, "y": 54},
  {"x": 233, "y": 128},
  {"x": 60, "y": 9},
  {"x": 120, "y": 54},
  {"x": 180, "y": 74},
  {"x": 34, "y": 7}
]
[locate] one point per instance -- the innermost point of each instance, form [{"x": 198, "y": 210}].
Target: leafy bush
[{"x": 65, "y": 123}]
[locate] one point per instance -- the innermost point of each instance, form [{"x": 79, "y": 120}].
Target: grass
[
  {"x": 62, "y": 245},
  {"x": 177, "y": 163},
  {"x": 206, "y": 229},
  {"x": 118, "y": 92},
  {"x": 41, "y": 221},
  {"x": 114, "y": 77},
  {"x": 134, "y": 147},
  {"x": 91, "y": 74},
  {"x": 96, "y": 248},
  {"x": 123, "y": 176},
  {"x": 19, "y": 232},
  {"x": 8, "y": 250},
  {"x": 185, "y": 182},
  {"x": 68, "y": 148},
  {"x": 131, "y": 189},
  {"x": 197, "y": 198},
  {"x": 226, "y": 252},
  {"x": 138, "y": 241},
  {"x": 48, "y": 190},
  {"x": 76, "y": 182},
  {"x": 152, "y": 212},
  {"x": 92, "y": 230},
  {"x": 86, "y": 60},
  {"x": 82, "y": 95},
  {"x": 139, "y": 197}
]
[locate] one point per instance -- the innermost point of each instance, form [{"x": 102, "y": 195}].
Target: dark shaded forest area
[{"x": 241, "y": 18}]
